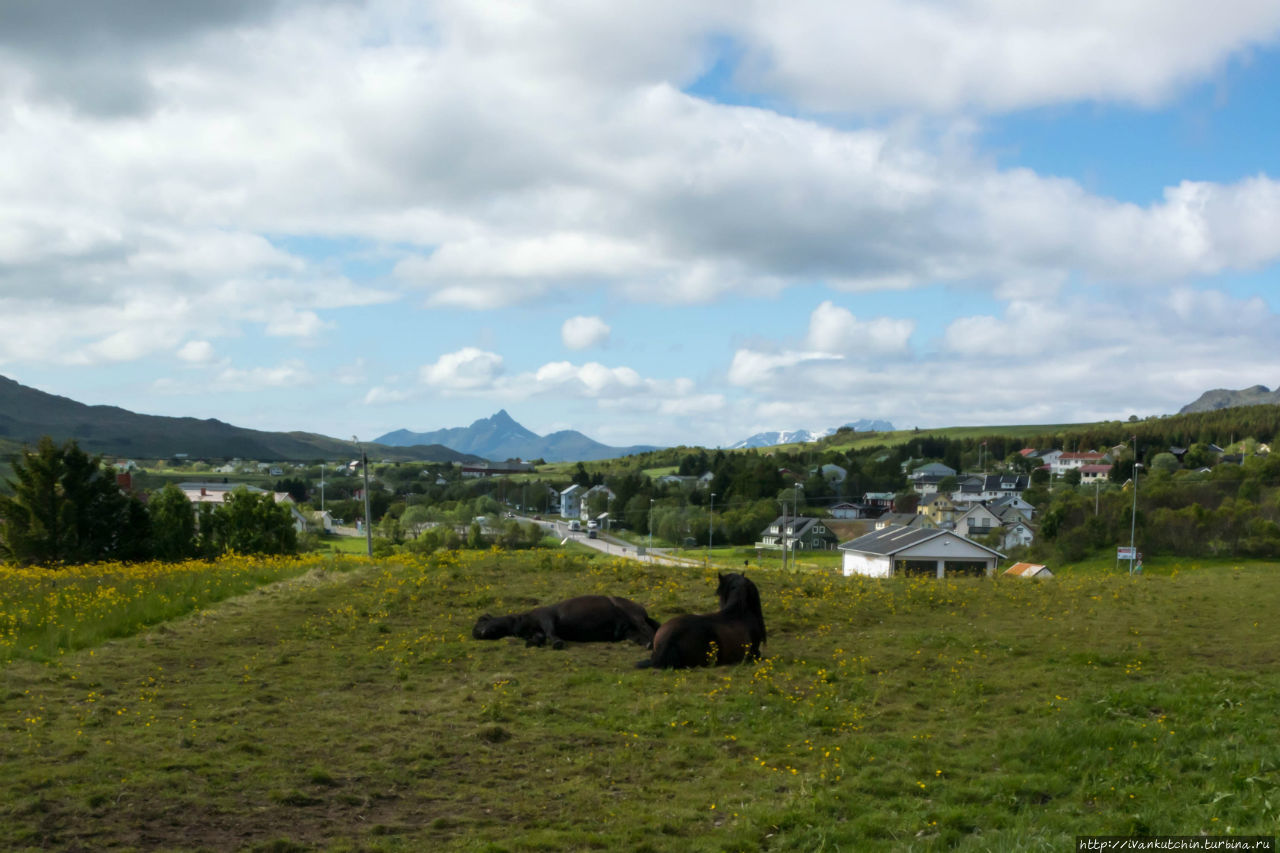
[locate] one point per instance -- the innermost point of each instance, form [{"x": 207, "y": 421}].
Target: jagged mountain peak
[{"x": 500, "y": 437}]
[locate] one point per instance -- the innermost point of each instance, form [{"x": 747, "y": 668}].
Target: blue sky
[{"x": 659, "y": 223}]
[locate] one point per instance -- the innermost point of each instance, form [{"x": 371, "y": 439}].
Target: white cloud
[
  {"x": 196, "y": 352},
  {"x": 834, "y": 329},
  {"x": 988, "y": 54},
  {"x": 592, "y": 379},
  {"x": 467, "y": 369},
  {"x": 297, "y": 324},
  {"x": 751, "y": 368},
  {"x": 584, "y": 332},
  {"x": 1092, "y": 354},
  {"x": 381, "y": 395},
  {"x": 289, "y": 374}
]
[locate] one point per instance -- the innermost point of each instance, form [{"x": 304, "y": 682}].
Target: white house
[
  {"x": 1049, "y": 459},
  {"x": 1016, "y": 534},
  {"x": 571, "y": 501},
  {"x": 1070, "y": 461},
  {"x": 977, "y": 520},
  {"x": 903, "y": 551}
]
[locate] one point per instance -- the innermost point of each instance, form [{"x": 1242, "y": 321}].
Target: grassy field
[{"x": 347, "y": 708}]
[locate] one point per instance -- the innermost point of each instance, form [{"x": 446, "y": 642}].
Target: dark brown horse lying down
[
  {"x": 585, "y": 619},
  {"x": 730, "y": 635}
]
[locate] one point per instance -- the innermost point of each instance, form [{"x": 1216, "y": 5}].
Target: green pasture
[{"x": 351, "y": 710}]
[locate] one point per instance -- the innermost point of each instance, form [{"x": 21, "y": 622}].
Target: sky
[{"x": 653, "y": 222}]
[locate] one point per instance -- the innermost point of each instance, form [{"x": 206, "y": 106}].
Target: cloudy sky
[{"x": 654, "y": 222}]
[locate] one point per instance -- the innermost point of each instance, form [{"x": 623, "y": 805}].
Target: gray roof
[{"x": 892, "y": 539}]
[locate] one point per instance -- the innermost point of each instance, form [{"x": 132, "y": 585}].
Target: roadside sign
[{"x": 1126, "y": 553}]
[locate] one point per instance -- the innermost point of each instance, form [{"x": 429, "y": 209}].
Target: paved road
[{"x": 609, "y": 545}]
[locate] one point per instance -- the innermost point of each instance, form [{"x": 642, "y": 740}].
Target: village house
[
  {"x": 977, "y": 520},
  {"x": 900, "y": 519},
  {"x": 1016, "y": 533},
  {"x": 1013, "y": 504},
  {"x": 1074, "y": 460},
  {"x": 796, "y": 533},
  {"x": 844, "y": 509},
  {"x": 926, "y": 485},
  {"x": 901, "y": 551},
  {"x": 879, "y": 500},
  {"x": 1090, "y": 474},
  {"x": 938, "y": 510},
  {"x": 199, "y": 493},
  {"x": 990, "y": 487},
  {"x": 571, "y": 501},
  {"x": 933, "y": 469}
]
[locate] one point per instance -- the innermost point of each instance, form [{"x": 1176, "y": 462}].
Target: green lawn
[{"x": 352, "y": 711}]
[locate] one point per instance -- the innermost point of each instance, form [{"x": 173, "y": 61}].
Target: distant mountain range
[
  {"x": 803, "y": 436},
  {"x": 1221, "y": 398},
  {"x": 26, "y": 414},
  {"x": 499, "y": 438}
]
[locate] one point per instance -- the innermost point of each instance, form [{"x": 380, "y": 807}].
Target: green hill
[{"x": 26, "y": 414}]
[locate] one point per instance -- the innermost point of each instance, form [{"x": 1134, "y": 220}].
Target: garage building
[{"x": 897, "y": 551}]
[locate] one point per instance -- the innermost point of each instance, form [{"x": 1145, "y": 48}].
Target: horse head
[
  {"x": 492, "y": 627},
  {"x": 739, "y": 595}
]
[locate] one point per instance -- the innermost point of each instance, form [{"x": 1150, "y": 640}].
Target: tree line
[{"x": 66, "y": 508}]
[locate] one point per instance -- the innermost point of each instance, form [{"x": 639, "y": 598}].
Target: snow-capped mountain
[{"x": 804, "y": 436}]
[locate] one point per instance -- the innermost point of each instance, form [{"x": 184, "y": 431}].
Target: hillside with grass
[
  {"x": 26, "y": 414},
  {"x": 346, "y": 706}
]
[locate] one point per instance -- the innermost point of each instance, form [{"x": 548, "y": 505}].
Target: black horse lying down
[
  {"x": 585, "y": 619},
  {"x": 731, "y": 635}
]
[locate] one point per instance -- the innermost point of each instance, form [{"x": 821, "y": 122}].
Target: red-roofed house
[
  {"x": 1068, "y": 461},
  {"x": 1094, "y": 473}
]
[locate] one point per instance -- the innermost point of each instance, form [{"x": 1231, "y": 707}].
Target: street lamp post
[
  {"x": 782, "y": 535},
  {"x": 796, "y": 493},
  {"x": 368, "y": 527},
  {"x": 711, "y": 514},
  {"x": 1133, "y": 517},
  {"x": 650, "y": 530}
]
